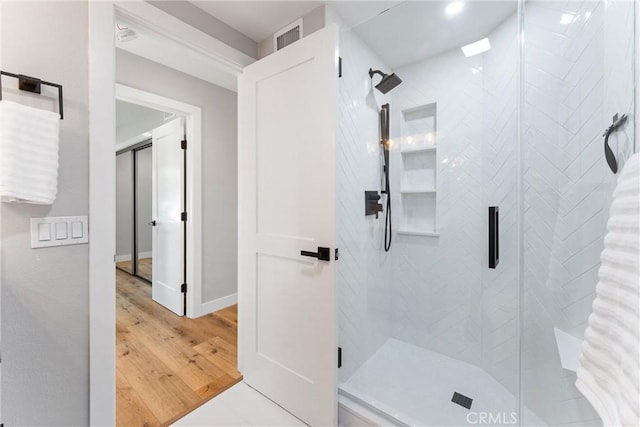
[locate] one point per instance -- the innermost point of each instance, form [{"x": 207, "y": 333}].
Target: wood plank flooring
[
  {"x": 167, "y": 365},
  {"x": 145, "y": 266}
]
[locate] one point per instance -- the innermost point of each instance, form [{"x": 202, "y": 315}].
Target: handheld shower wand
[
  {"x": 388, "y": 83},
  {"x": 384, "y": 140}
]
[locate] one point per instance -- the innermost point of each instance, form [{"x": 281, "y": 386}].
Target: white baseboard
[
  {"x": 127, "y": 257},
  {"x": 215, "y": 305}
]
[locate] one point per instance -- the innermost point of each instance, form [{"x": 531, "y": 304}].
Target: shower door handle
[
  {"x": 494, "y": 237},
  {"x": 323, "y": 254}
]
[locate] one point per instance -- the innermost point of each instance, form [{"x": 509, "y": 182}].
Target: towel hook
[{"x": 608, "y": 153}]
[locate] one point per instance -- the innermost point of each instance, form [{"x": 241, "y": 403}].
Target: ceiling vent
[{"x": 289, "y": 34}]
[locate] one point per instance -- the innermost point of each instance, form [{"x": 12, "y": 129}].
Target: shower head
[{"x": 388, "y": 82}]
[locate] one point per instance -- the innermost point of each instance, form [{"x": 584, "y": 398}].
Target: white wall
[
  {"x": 436, "y": 282},
  {"x": 192, "y": 15},
  {"x": 363, "y": 272},
  {"x": 45, "y": 292},
  {"x": 219, "y": 162}
]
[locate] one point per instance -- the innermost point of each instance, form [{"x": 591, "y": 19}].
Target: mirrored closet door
[{"x": 133, "y": 218}]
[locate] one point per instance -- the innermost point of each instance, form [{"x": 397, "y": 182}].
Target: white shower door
[{"x": 286, "y": 154}]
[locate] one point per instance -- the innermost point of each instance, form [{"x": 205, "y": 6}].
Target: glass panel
[
  {"x": 143, "y": 211},
  {"x": 124, "y": 212},
  {"x": 578, "y": 73},
  {"x": 429, "y": 319}
]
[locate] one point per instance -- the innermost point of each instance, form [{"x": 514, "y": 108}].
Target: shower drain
[{"x": 462, "y": 400}]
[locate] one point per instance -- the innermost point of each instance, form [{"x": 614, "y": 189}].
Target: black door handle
[
  {"x": 323, "y": 254},
  {"x": 152, "y": 223}
]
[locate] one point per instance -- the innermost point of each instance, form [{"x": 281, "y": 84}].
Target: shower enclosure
[{"x": 500, "y": 194}]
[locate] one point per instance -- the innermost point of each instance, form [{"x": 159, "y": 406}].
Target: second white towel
[
  {"x": 29, "y": 139},
  {"x": 609, "y": 371}
]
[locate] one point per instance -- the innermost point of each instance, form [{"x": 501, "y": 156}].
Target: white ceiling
[
  {"x": 127, "y": 113},
  {"x": 257, "y": 19},
  {"x": 132, "y": 120},
  {"x": 260, "y": 19},
  {"x": 401, "y": 32},
  {"x": 415, "y": 30}
]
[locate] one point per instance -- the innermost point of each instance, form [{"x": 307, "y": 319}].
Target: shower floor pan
[{"x": 404, "y": 384}]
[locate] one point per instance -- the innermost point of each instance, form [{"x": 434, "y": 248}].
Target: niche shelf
[
  {"x": 417, "y": 191},
  {"x": 419, "y": 233},
  {"x": 418, "y": 183},
  {"x": 418, "y": 150}
]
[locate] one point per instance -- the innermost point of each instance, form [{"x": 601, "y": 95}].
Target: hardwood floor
[
  {"x": 125, "y": 265},
  {"x": 167, "y": 365},
  {"x": 145, "y": 266}
]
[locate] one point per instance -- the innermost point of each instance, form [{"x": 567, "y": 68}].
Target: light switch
[
  {"x": 61, "y": 230},
  {"x": 44, "y": 232},
  {"x": 76, "y": 230}
]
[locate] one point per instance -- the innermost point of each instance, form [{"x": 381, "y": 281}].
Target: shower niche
[{"x": 418, "y": 182}]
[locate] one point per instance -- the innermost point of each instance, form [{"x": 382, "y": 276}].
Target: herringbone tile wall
[
  {"x": 364, "y": 271},
  {"x": 436, "y": 282},
  {"x": 577, "y": 74}
]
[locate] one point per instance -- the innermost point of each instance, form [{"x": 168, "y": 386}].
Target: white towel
[
  {"x": 609, "y": 370},
  {"x": 28, "y": 154}
]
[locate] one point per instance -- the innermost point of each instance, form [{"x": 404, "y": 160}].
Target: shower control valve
[{"x": 371, "y": 205}]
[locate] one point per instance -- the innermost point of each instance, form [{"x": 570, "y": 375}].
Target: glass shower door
[
  {"x": 579, "y": 71},
  {"x": 428, "y": 331}
]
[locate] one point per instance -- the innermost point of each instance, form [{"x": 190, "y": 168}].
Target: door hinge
[
  {"x": 183, "y": 288},
  {"x": 339, "y": 357},
  {"x": 339, "y": 66},
  {"x": 183, "y": 216},
  {"x": 183, "y": 144}
]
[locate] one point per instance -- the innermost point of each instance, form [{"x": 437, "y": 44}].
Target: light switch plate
[{"x": 59, "y": 231}]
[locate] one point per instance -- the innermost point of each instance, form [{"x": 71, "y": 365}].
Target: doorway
[
  {"x": 150, "y": 201},
  {"x": 144, "y": 141},
  {"x": 167, "y": 363},
  {"x": 214, "y": 162}
]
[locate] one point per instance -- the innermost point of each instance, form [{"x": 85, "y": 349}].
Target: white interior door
[
  {"x": 287, "y": 123},
  {"x": 168, "y": 205}
]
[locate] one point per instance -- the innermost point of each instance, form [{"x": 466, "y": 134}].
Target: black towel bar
[{"x": 32, "y": 84}]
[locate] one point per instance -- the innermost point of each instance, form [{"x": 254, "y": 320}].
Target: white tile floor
[
  {"x": 415, "y": 386},
  {"x": 239, "y": 406}
]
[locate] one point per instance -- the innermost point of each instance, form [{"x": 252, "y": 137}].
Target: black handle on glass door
[{"x": 494, "y": 237}]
